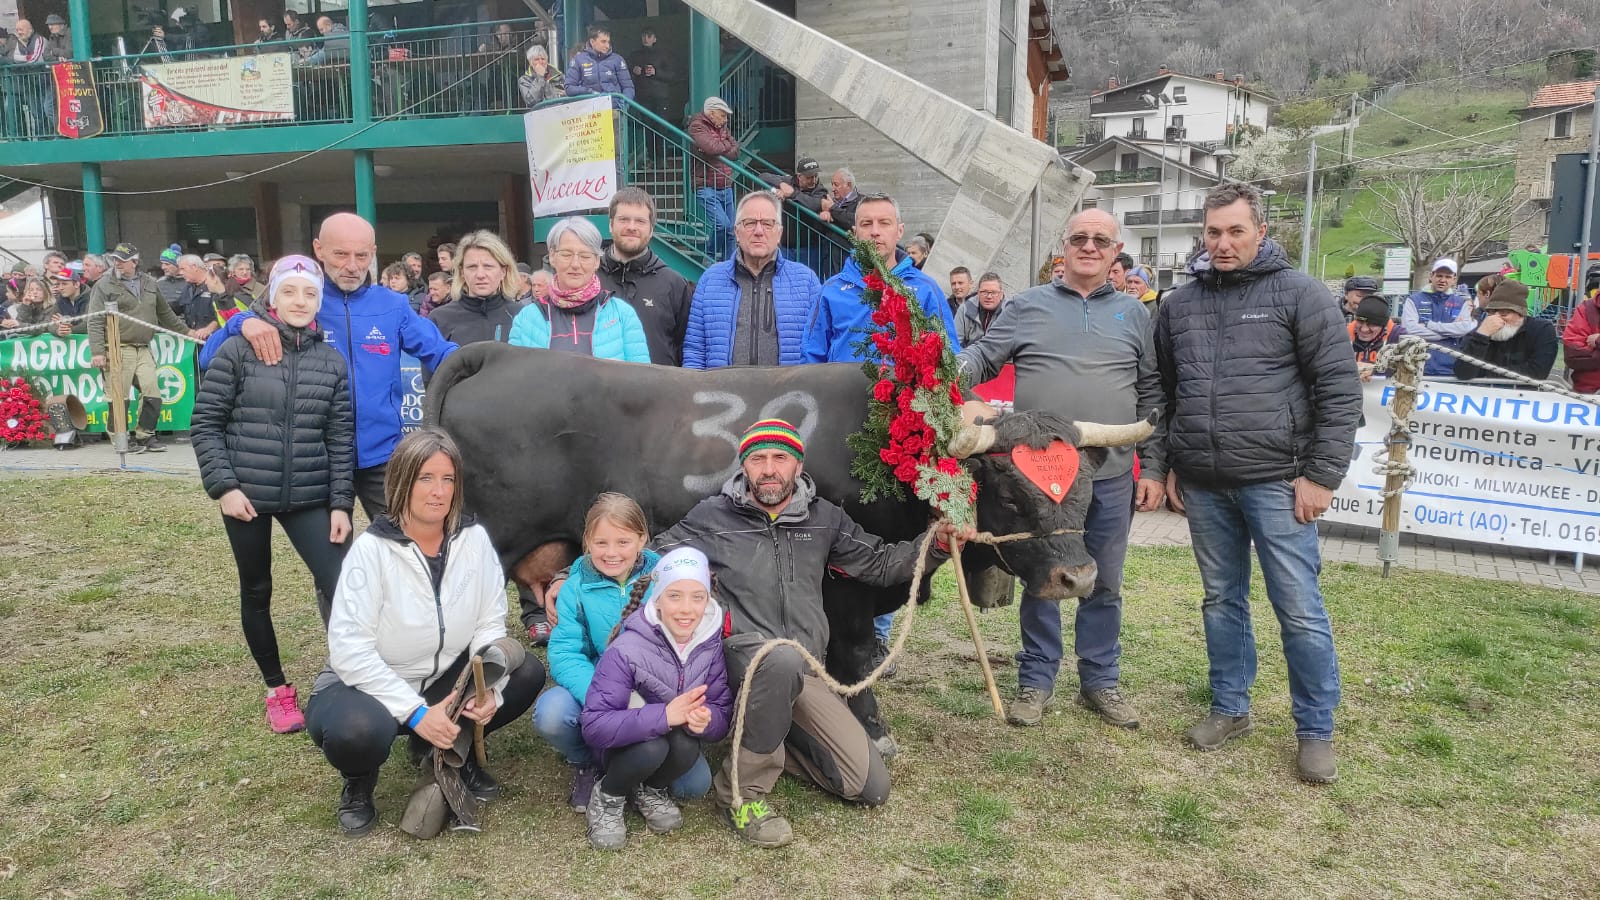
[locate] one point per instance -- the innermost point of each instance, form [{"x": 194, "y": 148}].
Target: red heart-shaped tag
[{"x": 1051, "y": 470}]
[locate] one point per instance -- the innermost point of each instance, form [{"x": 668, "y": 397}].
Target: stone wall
[{"x": 1536, "y": 150}]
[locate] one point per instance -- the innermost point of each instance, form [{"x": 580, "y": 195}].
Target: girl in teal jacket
[{"x": 588, "y": 607}]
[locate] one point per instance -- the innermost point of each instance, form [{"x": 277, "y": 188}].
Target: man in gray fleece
[{"x": 1083, "y": 351}]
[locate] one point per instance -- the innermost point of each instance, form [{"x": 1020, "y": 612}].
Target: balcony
[
  {"x": 1167, "y": 217},
  {"x": 1127, "y": 176}
]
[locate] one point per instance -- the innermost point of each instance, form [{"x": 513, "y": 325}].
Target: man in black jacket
[
  {"x": 632, "y": 271},
  {"x": 1262, "y": 403},
  {"x": 771, "y": 540},
  {"x": 1509, "y": 337}
]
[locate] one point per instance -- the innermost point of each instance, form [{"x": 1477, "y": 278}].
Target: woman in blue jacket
[{"x": 580, "y": 316}]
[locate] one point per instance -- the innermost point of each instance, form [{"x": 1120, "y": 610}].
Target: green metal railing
[
  {"x": 449, "y": 70},
  {"x": 1127, "y": 176},
  {"x": 657, "y": 156},
  {"x": 761, "y": 94}
]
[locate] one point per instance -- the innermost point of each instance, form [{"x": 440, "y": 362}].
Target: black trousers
[
  {"x": 356, "y": 732},
  {"x": 252, "y": 553},
  {"x": 657, "y": 762},
  {"x": 369, "y": 490}
]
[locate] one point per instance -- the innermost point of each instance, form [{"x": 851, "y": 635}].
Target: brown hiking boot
[
  {"x": 758, "y": 824},
  {"x": 1029, "y": 707},
  {"x": 1217, "y": 729},
  {"x": 1314, "y": 762},
  {"x": 1111, "y": 706}
]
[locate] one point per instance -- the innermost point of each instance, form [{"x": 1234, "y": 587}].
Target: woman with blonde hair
[
  {"x": 580, "y": 316},
  {"x": 485, "y": 284},
  {"x": 421, "y": 593}
]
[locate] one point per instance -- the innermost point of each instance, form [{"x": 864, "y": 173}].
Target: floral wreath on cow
[{"x": 915, "y": 407}]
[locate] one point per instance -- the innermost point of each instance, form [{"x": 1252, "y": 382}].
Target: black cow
[{"x": 541, "y": 433}]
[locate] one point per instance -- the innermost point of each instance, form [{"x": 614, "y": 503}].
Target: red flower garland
[{"x": 22, "y": 416}]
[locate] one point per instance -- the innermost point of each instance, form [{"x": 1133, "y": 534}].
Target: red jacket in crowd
[{"x": 1583, "y": 358}]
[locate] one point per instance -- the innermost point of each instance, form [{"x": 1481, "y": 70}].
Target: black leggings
[
  {"x": 252, "y": 552},
  {"x": 657, "y": 762},
  {"x": 356, "y": 732}
]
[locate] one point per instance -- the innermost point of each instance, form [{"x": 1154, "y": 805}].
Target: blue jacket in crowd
[
  {"x": 842, "y": 320},
  {"x": 708, "y": 344},
  {"x": 595, "y": 73},
  {"x": 371, "y": 327},
  {"x": 618, "y": 333}
]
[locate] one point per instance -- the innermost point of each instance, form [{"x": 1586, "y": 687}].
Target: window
[
  {"x": 1138, "y": 128},
  {"x": 1128, "y": 162},
  {"x": 1147, "y": 250},
  {"x": 1177, "y": 121},
  {"x": 1090, "y": 203},
  {"x": 1177, "y": 94},
  {"x": 1152, "y": 202},
  {"x": 1005, "y": 100},
  {"x": 1561, "y": 125}
]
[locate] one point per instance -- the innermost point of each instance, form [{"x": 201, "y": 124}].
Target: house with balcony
[
  {"x": 1555, "y": 121},
  {"x": 416, "y": 122}
]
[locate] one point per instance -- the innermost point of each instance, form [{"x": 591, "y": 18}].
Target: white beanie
[
  {"x": 682, "y": 563},
  {"x": 293, "y": 268}
]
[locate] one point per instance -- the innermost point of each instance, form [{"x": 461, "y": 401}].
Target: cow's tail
[{"x": 458, "y": 367}]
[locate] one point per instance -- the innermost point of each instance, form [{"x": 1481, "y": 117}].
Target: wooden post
[
  {"x": 977, "y": 638},
  {"x": 1396, "y": 444},
  {"x": 480, "y": 697},
  {"x": 117, "y": 397}
]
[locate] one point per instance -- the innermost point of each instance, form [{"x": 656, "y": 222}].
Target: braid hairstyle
[{"x": 635, "y": 600}]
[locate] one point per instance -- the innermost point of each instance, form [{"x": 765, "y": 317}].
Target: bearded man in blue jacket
[
  {"x": 372, "y": 327},
  {"x": 842, "y": 320}
]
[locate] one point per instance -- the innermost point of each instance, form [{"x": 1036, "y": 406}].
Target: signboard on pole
[
  {"x": 60, "y": 366},
  {"x": 233, "y": 89},
  {"x": 572, "y": 156},
  {"x": 1494, "y": 465},
  {"x": 77, "y": 102},
  {"x": 1397, "y": 270}
]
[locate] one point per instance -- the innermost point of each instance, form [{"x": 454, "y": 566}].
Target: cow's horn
[
  {"x": 1093, "y": 434},
  {"x": 972, "y": 440}
]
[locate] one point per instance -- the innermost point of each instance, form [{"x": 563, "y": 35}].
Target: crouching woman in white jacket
[{"x": 420, "y": 592}]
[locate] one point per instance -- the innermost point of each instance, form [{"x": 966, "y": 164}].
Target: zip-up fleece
[
  {"x": 1090, "y": 359},
  {"x": 644, "y": 660},
  {"x": 588, "y": 608},
  {"x": 769, "y": 570},
  {"x": 391, "y": 633}
]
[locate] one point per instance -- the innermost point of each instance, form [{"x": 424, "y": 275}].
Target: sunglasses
[{"x": 1100, "y": 240}]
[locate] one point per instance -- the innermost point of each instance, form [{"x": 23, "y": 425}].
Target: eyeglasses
[
  {"x": 1100, "y": 240},
  {"x": 752, "y": 224},
  {"x": 570, "y": 255}
]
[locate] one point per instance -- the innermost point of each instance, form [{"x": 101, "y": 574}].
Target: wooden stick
[
  {"x": 977, "y": 638},
  {"x": 117, "y": 426},
  {"x": 481, "y": 696}
]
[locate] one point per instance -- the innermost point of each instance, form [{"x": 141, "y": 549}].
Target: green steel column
[
  {"x": 78, "y": 17},
  {"x": 94, "y": 211},
  {"x": 572, "y": 31},
  {"x": 366, "y": 187},
  {"x": 360, "y": 65},
  {"x": 705, "y": 60}
]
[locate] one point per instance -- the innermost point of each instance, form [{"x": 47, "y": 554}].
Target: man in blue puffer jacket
[
  {"x": 842, "y": 320},
  {"x": 596, "y": 70},
  {"x": 372, "y": 326},
  {"x": 751, "y": 310}
]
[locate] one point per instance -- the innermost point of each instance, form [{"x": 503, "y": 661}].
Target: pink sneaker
[{"x": 283, "y": 710}]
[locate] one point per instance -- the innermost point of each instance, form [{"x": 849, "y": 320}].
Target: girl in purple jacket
[{"x": 659, "y": 692}]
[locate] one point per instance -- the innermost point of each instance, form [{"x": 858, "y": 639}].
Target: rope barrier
[
  {"x": 816, "y": 666},
  {"x": 45, "y": 327}
]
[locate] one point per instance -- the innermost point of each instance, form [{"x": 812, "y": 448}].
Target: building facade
[{"x": 1555, "y": 121}]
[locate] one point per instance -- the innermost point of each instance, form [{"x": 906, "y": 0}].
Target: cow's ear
[{"x": 1093, "y": 458}]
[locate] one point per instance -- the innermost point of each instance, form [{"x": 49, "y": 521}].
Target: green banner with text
[{"x": 55, "y": 365}]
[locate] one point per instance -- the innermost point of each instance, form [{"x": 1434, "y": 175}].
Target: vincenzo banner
[
  {"x": 1494, "y": 465},
  {"x": 572, "y": 155},
  {"x": 54, "y": 365},
  {"x": 255, "y": 88}
]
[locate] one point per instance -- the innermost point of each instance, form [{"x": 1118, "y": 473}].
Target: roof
[
  {"x": 1200, "y": 79},
  {"x": 1571, "y": 93},
  {"x": 1094, "y": 150}
]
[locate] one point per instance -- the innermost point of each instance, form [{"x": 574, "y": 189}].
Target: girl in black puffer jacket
[{"x": 275, "y": 442}]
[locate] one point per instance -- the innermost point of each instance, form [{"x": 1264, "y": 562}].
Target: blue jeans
[
  {"x": 1222, "y": 525},
  {"x": 718, "y": 204},
  {"x": 1098, "y": 624},
  {"x": 881, "y": 625},
  {"x": 555, "y": 718}
]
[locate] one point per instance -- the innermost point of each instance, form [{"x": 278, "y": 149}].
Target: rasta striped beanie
[{"x": 771, "y": 434}]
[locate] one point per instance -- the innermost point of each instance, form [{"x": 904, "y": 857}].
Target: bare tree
[{"x": 1439, "y": 217}]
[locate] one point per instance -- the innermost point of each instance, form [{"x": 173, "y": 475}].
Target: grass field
[{"x": 138, "y": 764}]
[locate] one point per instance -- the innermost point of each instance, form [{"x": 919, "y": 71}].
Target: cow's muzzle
[{"x": 1069, "y": 581}]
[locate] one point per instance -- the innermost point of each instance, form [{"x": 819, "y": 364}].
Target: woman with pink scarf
[{"x": 579, "y": 316}]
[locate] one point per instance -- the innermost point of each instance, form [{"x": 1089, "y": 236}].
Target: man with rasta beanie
[{"x": 770, "y": 541}]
